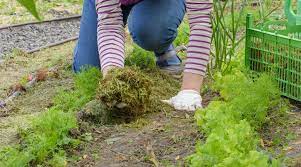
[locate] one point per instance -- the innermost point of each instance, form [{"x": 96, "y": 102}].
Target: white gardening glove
[{"x": 187, "y": 100}]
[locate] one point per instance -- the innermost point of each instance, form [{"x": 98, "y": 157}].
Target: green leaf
[{"x": 31, "y": 7}]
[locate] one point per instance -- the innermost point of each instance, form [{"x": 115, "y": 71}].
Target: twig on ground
[
  {"x": 125, "y": 155},
  {"x": 152, "y": 156},
  {"x": 40, "y": 75}
]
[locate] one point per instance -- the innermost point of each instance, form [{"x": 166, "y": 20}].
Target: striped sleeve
[
  {"x": 110, "y": 33},
  {"x": 198, "y": 52}
]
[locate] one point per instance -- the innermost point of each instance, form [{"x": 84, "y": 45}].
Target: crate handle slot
[{"x": 294, "y": 19}]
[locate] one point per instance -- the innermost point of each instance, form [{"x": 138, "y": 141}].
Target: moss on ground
[{"x": 132, "y": 92}]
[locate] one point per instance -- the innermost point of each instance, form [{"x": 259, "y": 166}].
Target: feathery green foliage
[
  {"x": 85, "y": 84},
  {"x": 251, "y": 100},
  {"x": 183, "y": 34},
  {"x": 50, "y": 131},
  {"x": 141, "y": 58},
  {"x": 230, "y": 124}
]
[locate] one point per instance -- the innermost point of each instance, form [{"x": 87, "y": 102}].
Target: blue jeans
[{"x": 152, "y": 24}]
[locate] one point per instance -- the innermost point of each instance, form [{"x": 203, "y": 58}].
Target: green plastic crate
[{"x": 275, "y": 48}]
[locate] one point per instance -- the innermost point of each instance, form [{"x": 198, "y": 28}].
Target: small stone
[
  {"x": 2, "y": 104},
  {"x": 112, "y": 140}
]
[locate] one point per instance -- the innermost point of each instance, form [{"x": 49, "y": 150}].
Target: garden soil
[{"x": 155, "y": 139}]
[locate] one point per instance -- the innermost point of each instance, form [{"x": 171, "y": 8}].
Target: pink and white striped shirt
[{"x": 110, "y": 34}]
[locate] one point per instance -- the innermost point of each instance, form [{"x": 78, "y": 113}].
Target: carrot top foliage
[
  {"x": 140, "y": 58},
  {"x": 43, "y": 142},
  {"x": 231, "y": 124}
]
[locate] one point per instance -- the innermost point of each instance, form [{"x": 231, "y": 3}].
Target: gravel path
[{"x": 30, "y": 37}]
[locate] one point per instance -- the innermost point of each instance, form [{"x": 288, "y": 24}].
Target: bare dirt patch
[
  {"x": 158, "y": 139},
  {"x": 165, "y": 139},
  {"x": 293, "y": 150}
]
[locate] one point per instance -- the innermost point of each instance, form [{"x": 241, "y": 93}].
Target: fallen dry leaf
[
  {"x": 288, "y": 148},
  {"x": 150, "y": 152},
  {"x": 42, "y": 74},
  {"x": 16, "y": 88},
  {"x": 262, "y": 143}
]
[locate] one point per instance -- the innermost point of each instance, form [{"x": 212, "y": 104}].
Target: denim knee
[
  {"x": 153, "y": 24},
  {"x": 153, "y": 37}
]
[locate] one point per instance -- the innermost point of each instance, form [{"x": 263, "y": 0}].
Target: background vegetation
[{"x": 12, "y": 12}]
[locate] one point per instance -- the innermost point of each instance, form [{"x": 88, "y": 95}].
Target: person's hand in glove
[{"x": 186, "y": 100}]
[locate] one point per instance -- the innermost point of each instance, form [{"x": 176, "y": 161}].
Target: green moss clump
[
  {"x": 96, "y": 112},
  {"x": 128, "y": 86}
]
